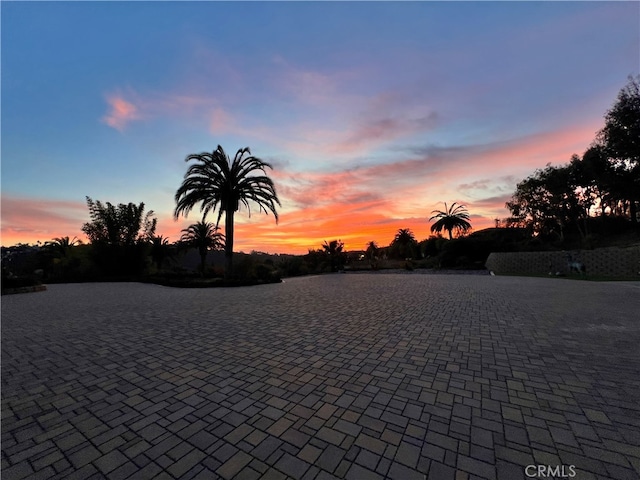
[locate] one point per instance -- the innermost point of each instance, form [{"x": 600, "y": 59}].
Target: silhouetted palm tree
[
  {"x": 217, "y": 182},
  {"x": 204, "y": 236},
  {"x": 453, "y": 218},
  {"x": 334, "y": 249},
  {"x": 404, "y": 243},
  {"x": 404, "y": 236},
  {"x": 62, "y": 245},
  {"x": 372, "y": 249},
  {"x": 159, "y": 249},
  {"x": 372, "y": 254}
]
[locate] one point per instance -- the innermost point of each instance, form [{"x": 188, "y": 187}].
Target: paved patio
[{"x": 341, "y": 376}]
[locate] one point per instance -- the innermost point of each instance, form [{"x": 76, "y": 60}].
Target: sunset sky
[{"x": 372, "y": 114}]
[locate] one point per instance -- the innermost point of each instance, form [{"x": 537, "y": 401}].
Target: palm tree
[
  {"x": 334, "y": 249},
  {"x": 217, "y": 182},
  {"x": 452, "y": 218},
  {"x": 372, "y": 249},
  {"x": 372, "y": 254},
  {"x": 404, "y": 243},
  {"x": 404, "y": 236},
  {"x": 62, "y": 245},
  {"x": 204, "y": 236},
  {"x": 159, "y": 249}
]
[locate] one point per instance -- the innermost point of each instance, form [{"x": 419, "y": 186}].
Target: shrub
[{"x": 19, "y": 282}]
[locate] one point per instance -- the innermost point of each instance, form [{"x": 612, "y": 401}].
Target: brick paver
[{"x": 339, "y": 376}]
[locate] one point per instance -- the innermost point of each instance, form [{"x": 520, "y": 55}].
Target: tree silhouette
[
  {"x": 216, "y": 182},
  {"x": 455, "y": 218},
  {"x": 204, "y": 236},
  {"x": 122, "y": 225},
  {"x": 372, "y": 254},
  {"x": 620, "y": 140},
  {"x": 547, "y": 201},
  {"x": 160, "y": 249},
  {"x": 62, "y": 245},
  {"x": 334, "y": 250},
  {"x": 404, "y": 244},
  {"x": 119, "y": 236}
]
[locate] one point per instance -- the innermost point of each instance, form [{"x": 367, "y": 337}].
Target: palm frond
[{"x": 451, "y": 218}]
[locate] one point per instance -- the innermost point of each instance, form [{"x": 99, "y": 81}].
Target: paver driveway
[{"x": 340, "y": 376}]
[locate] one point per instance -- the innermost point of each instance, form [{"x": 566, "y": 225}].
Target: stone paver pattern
[{"x": 339, "y": 376}]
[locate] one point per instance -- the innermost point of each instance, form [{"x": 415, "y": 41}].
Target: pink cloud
[
  {"x": 124, "y": 109},
  {"x": 311, "y": 87},
  {"x": 27, "y": 220},
  {"x": 370, "y": 133},
  {"x": 121, "y": 112},
  {"x": 220, "y": 121},
  {"x": 357, "y": 203},
  {"x": 373, "y": 201}
]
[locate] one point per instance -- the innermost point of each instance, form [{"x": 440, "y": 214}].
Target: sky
[{"x": 372, "y": 114}]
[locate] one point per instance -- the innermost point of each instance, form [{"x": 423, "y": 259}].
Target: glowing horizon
[{"x": 368, "y": 129}]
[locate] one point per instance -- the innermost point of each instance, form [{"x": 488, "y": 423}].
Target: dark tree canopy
[
  {"x": 604, "y": 181},
  {"x": 119, "y": 236},
  {"x": 621, "y": 133},
  {"x": 404, "y": 244},
  {"x": 123, "y": 225},
  {"x": 546, "y": 201},
  {"x": 620, "y": 141},
  {"x": 335, "y": 251}
]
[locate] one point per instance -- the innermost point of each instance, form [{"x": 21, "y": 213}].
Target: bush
[
  {"x": 19, "y": 282},
  {"x": 609, "y": 225},
  {"x": 465, "y": 252},
  {"x": 120, "y": 260},
  {"x": 293, "y": 267}
]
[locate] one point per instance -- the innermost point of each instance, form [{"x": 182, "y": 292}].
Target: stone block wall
[{"x": 612, "y": 261}]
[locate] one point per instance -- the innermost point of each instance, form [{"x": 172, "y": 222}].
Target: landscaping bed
[{"x": 199, "y": 282}]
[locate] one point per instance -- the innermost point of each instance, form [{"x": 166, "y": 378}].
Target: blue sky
[{"x": 371, "y": 113}]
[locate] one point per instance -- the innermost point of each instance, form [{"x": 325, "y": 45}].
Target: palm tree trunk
[
  {"x": 228, "y": 246},
  {"x": 450, "y": 236}
]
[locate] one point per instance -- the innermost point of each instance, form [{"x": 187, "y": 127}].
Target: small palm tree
[
  {"x": 216, "y": 182},
  {"x": 455, "y": 218},
  {"x": 159, "y": 249},
  {"x": 334, "y": 249},
  {"x": 372, "y": 254},
  {"x": 372, "y": 249},
  {"x": 62, "y": 245},
  {"x": 404, "y": 244},
  {"x": 204, "y": 236},
  {"x": 404, "y": 237}
]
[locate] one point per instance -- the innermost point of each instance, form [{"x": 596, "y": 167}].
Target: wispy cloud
[
  {"x": 324, "y": 89},
  {"x": 121, "y": 112},
  {"x": 31, "y": 219},
  {"x": 369, "y": 133},
  {"x": 125, "y": 108}
]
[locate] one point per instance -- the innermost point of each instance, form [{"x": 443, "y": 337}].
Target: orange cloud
[
  {"x": 27, "y": 220},
  {"x": 121, "y": 112},
  {"x": 372, "y": 202},
  {"x": 357, "y": 203}
]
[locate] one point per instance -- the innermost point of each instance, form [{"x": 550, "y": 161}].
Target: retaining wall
[{"x": 612, "y": 262}]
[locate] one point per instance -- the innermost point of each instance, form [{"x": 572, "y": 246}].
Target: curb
[{"x": 34, "y": 288}]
